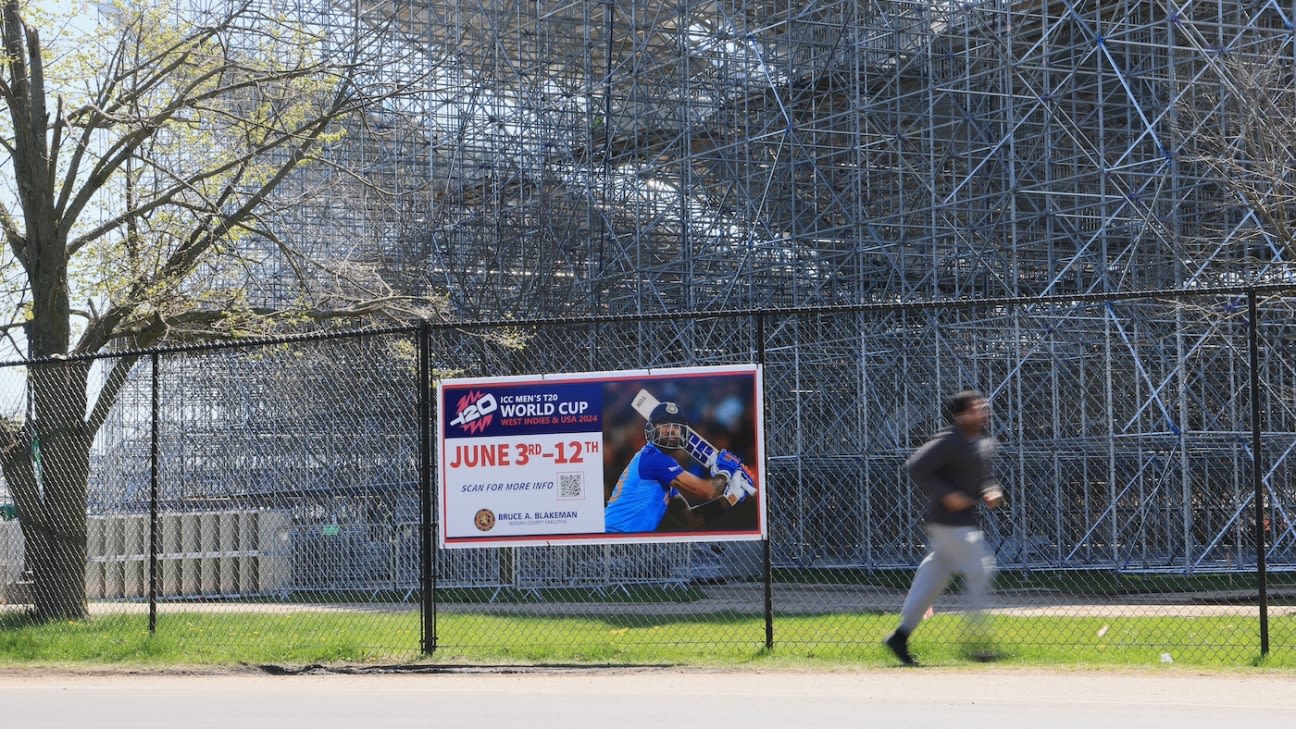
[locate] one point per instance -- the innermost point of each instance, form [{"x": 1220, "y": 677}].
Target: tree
[
  {"x": 146, "y": 166},
  {"x": 1235, "y": 120}
]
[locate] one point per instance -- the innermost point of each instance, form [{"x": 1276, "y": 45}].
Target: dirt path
[{"x": 748, "y": 599}]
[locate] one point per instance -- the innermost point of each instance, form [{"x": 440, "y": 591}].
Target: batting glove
[
  {"x": 740, "y": 486},
  {"x": 726, "y": 464}
]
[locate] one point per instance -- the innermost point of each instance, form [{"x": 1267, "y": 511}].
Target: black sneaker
[{"x": 899, "y": 645}]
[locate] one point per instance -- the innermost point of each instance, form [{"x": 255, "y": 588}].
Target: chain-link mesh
[{"x": 284, "y": 480}]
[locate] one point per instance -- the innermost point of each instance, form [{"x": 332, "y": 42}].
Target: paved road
[{"x": 973, "y": 698}]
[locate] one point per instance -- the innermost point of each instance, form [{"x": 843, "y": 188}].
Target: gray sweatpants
[{"x": 954, "y": 550}]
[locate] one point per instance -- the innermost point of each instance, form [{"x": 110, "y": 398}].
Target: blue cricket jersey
[{"x": 639, "y": 500}]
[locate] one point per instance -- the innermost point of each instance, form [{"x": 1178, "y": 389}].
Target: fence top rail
[{"x": 894, "y": 306}]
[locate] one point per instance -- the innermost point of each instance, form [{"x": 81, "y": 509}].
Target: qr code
[{"x": 571, "y": 485}]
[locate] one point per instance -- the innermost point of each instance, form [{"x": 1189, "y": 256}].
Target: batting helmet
[{"x": 667, "y": 427}]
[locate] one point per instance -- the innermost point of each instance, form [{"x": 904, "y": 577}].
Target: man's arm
[
  {"x": 991, "y": 492},
  {"x": 698, "y": 489},
  {"x": 957, "y": 501},
  {"x": 993, "y": 497}
]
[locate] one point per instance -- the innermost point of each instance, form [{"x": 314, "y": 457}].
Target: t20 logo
[{"x": 473, "y": 411}]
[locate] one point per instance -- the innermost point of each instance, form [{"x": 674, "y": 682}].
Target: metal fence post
[
  {"x": 1253, "y": 351},
  {"x": 427, "y": 571},
  {"x": 768, "y": 567},
  {"x": 153, "y": 500}
]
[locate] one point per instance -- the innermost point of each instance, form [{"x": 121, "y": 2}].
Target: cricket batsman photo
[
  {"x": 586, "y": 458},
  {"x": 684, "y": 464}
]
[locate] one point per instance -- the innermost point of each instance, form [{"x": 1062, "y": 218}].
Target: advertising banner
[{"x": 628, "y": 456}]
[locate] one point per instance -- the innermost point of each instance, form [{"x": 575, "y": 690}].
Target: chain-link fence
[{"x": 297, "y": 478}]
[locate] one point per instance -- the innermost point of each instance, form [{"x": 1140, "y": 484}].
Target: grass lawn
[{"x": 816, "y": 641}]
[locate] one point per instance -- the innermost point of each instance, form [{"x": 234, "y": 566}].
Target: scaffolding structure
[
  {"x": 654, "y": 156},
  {"x": 634, "y": 157},
  {"x": 648, "y": 157}
]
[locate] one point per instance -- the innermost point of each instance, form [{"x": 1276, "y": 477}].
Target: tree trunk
[
  {"x": 64, "y": 458},
  {"x": 47, "y": 467}
]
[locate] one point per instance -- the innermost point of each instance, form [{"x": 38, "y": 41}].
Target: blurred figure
[{"x": 953, "y": 470}]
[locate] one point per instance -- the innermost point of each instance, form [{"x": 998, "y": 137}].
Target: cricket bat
[{"x": 702, "y": 451}]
